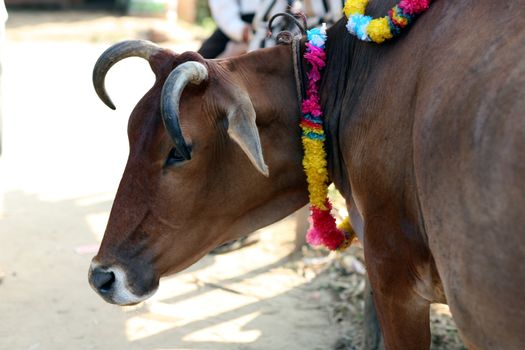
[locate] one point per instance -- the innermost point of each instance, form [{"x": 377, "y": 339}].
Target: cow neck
[{"x": 349, "y": 65}]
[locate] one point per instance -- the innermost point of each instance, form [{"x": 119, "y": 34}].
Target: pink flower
[
  {"x": 311, "y": 105},
  {"x": 324, "y": 230},
  {"x": 414, "y": 7},
  {"x": 315, "y": 56},
  {"x": 314, "y": 75}
]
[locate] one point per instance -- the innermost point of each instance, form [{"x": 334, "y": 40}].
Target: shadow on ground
[{"x": 241, "y": 300}]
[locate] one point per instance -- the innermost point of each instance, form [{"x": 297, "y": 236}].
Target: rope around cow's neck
[{"x": 324, "y": 230}]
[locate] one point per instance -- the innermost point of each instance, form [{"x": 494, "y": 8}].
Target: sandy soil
[{"x": 64, "y": 152}]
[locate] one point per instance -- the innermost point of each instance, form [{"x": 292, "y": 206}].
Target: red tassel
[{"x": 324, "y": 231}]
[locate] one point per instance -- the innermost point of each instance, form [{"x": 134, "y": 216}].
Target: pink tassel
[
  {"x": 324, "y": 230},
  {"x": 313, "y": 237}
]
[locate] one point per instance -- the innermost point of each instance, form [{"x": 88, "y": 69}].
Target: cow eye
[{"x": 174, "y": 157}]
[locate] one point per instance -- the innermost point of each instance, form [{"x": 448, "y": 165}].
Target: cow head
[{"x": 215, "y": 153}]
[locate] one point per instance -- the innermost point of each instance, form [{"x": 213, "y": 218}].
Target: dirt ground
[{"x": 64, "y": 152}]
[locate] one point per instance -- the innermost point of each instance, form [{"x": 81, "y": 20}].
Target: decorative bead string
[
  {"x": 324, "y": 230},
  {"x": 380, "y": 29}
]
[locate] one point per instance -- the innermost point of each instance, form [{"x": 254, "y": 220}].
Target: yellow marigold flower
[
  {"x": 355, "y": 6},
  {"x": 378, "y": 30},
  {"x": 346, "y": 226},
  {"x": 350, "y": 234},
  {"x": 315, "y": 131},
  {"x": 314, "y": 163}
]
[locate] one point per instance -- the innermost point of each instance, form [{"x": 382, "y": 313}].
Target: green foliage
[{"x": 203, "y": 12}]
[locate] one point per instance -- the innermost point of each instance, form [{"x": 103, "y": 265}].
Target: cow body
[
  {"x": 431, "y": 138},
  {"x": 426, "y": 140}
]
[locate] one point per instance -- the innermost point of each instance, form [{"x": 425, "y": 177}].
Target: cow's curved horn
[
  {"x": 188, "y": 72},
  {"x": 129, "y": 48}
]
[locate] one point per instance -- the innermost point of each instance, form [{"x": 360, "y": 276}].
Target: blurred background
[{"x": 63, "y": 153}]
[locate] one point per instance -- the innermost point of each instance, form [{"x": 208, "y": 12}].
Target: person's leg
[{"x": 214, "y": 45}]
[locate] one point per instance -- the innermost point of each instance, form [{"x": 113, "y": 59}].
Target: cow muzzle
[{"x": 112, "y": 283}]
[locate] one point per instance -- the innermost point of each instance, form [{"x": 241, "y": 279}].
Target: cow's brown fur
[
  {"x": 426, "y": 140},
  {"x": 428, "y": 134}
]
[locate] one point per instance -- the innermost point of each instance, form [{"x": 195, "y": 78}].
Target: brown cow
[{"x": 426, "y": 140}]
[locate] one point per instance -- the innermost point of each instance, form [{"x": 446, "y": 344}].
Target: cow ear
[{"x": 243, "y": 130}]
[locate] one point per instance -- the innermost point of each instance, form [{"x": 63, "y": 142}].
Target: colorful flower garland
[
  {"x": 324, "y": 230},
  {"x": 380, "y": 29}
]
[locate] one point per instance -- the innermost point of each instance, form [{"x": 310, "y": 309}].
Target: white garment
[
  {"x": 227, "y": 14},
  {"x": 316, "y": 12},
  {"x": 3, "y": 14},
  {"x": 3, "y": 19}
]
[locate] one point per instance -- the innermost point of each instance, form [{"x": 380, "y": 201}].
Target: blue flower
[
  {"x": 357, "y": 25},
  {"x": 317, "y": 37}
]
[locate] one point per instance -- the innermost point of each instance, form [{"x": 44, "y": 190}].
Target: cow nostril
[{"x": 102, "y": 280}]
